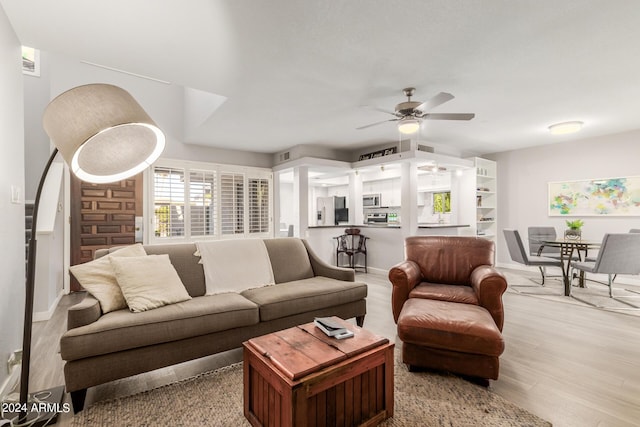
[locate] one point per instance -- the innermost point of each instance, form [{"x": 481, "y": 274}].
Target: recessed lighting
[{"x": 565, "y": 128}]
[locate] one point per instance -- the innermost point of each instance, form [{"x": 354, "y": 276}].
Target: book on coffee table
[{"x": 332, "y": 328}]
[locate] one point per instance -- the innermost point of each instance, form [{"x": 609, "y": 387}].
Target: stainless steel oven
[{"x": 376, "y": 218}]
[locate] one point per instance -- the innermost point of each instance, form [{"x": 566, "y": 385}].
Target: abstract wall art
[{"x": 595, "y": 197}]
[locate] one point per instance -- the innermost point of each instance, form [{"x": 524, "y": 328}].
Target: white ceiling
[{"x": 299, "y": 72}]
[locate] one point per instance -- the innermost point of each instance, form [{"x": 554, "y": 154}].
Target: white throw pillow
[
  {"x": 149, "y": 282},
  {"x": 98, "y": 278}
]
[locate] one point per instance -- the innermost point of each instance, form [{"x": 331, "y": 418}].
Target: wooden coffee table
[{"x": 301, "y": 377}]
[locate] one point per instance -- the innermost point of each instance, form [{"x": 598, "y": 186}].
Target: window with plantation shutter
[
  {"x": 169, "y": 207},
  {"x": 258, "y": 205},
  {"x": 202, "y": 202},
  {"x": 231, "y": 203}
]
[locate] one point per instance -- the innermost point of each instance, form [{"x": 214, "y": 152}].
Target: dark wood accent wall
[{"x": 102, "y": 216}]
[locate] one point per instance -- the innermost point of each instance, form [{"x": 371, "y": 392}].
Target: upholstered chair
[{"x": 447, "y": 303}]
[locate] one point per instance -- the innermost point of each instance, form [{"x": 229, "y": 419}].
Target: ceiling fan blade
[
  {"x": 382, "y": 110},
  {"x": 377, "y": 123},
  {"x": 439, "y": 99},
  {"x": 449, "y": 116}
]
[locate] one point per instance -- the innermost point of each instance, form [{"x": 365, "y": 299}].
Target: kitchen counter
[
  {"x": 385, "y": 243},
  {"x": 382, "y": 225},
  {"x": 438, "y": 225}
]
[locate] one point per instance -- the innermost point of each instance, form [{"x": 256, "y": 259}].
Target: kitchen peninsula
[
  {"x": 388, "y": 199},
  {"x": 385, "y": 246}
]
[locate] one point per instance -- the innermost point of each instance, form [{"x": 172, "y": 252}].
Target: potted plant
[{"x": 574, "y": 230}]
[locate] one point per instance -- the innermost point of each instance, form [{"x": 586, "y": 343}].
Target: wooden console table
[{"x": 301, "y": 377}]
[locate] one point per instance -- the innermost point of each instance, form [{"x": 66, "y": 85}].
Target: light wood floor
[{"x": 570, "y": 364}]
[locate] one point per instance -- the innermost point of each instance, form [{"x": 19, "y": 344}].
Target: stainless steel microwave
[{"x": 371, "y": 201}]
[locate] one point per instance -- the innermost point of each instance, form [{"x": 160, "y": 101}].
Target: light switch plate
[{"x": 15, "y": 194}]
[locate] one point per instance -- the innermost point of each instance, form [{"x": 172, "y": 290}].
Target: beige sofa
[{"x": 99, "y": 348}]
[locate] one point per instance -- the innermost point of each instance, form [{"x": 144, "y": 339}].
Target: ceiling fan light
[
  {"x": 408, "y": 126},
  {"x": 565, "y": 127}
]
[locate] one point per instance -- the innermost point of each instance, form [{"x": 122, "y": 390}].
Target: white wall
[
  {"x": 50, "y": 245},
  {"x": 163, "y": 102},
  {"x": 523, "y": 176},
  {"x": 37, "y": 148},
  {"x": 286, "y": 203},
  {"x": 12, "y": 278}
]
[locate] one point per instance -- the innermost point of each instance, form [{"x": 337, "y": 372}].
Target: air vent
[
  {"x": 432, "y": 168},
  {"x": 283, "y": 157},
  {"x": 425, "y": 148}
]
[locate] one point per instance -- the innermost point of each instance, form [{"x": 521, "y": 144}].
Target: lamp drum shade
[{"x": 102, "y": 132}]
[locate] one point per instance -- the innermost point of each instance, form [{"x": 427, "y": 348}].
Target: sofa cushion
[
  {"x": 148, "y": 282},
  {"x": 99, "y": 279},
  {"x": 453, "y": 293},
  {"x": 300, "y": 296},
  {"x": 123, "y": 330},
  {"x": 465, "y": 328},
  {"x": 289, "y": 259}
]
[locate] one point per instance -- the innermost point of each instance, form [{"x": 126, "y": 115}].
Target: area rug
[
  {"x": 215, "y": 399},
  {"x": 626, "y": 297}
]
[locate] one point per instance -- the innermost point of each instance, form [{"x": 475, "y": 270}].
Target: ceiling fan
[{"x": 409, "y": 114}]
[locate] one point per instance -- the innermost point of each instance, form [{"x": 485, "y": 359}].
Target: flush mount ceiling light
[
  {"x": 565, "y": 128},
  {"x": 408, "y": 125},
  {"x": 102, "y": 132}
]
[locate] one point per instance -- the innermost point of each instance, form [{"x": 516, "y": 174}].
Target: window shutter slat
[
  {"x": 202, "y": 197},
  {"x": 169, "y": 202},
  {"x": 231, "y": 203},
  {"x": 258, "y": 205}
]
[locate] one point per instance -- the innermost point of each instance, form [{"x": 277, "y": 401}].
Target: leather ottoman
[{"x": 454, "y": 337}]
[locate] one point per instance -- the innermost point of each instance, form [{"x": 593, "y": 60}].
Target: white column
[
  {"x": 356, "y": 212},
  {"x": 409, "y": 198},
  {"x": 301, "y": 201},
  {"x": 276, "y": 204}
]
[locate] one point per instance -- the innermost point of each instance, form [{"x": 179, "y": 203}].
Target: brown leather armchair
[{"x": 447, "y": 303}]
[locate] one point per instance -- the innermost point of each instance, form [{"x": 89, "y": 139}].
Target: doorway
[{"x": 102, "y": 216}]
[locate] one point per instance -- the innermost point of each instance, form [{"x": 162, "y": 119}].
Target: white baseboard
[
  {"x": 42, "y": 316},
  {"x": 11, "y": 383},
  {"x": 378, "y": 271}
]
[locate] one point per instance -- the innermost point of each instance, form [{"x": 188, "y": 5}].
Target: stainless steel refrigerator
[{"x": 331, "y": 210}]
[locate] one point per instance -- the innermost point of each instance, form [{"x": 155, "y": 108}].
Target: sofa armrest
[
  {"x": 85, "y": 312},
  {"x": 404, "y": 277},
  {"x": 489, "y": 285},
  {"x": 321, "y": 268}
]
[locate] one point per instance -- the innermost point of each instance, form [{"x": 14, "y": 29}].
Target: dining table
[{"x": 569, "y": 247}]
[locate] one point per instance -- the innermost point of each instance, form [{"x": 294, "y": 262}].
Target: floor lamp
[{"x": 104, "y": 135}]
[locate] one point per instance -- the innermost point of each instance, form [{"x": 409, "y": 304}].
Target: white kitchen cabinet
[{"x": 389, "y": 190}]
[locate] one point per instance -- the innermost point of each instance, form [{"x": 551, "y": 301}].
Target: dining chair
[
  {"x": 593, "y": 258},
  {"x": 619, "y": 254},
  {"x": 537, "y": 236},
  {"x": 520, "y": 255}
]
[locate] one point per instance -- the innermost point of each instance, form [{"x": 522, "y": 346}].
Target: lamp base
[{"x": 43, "y": 407}]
